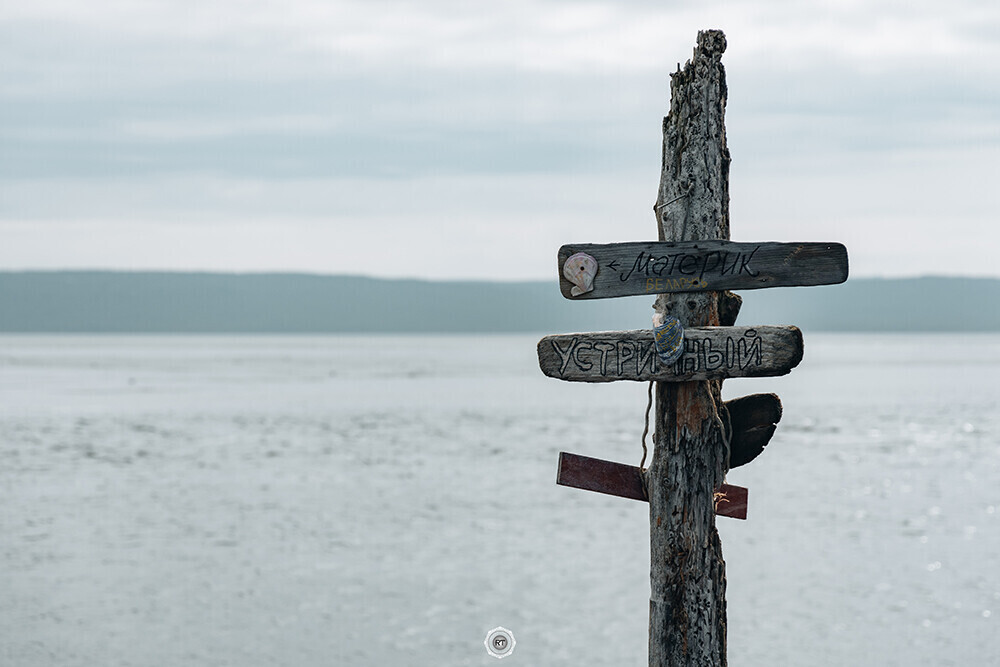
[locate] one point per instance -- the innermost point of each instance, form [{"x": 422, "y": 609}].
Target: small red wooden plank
[
  {"x": 732, "y": 502},
  {"x": 615, "y": 479},
  {"x": 618, "y": 479}
]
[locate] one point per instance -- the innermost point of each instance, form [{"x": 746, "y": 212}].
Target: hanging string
[{"x": 645, "y": 430}]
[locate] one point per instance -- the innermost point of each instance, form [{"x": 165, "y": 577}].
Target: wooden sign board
[
  {"x": 752, "y": 421},
  {"x": 626, "y": 269},
  {"x": 710, "y": 353},
  {"x": 618, "y": 479}
]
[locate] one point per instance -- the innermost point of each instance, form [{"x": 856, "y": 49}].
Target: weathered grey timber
[
  {"x": 710, "y": 353},
  {"x": 625, "y": 481},
  {"x": 626, "y": 269},
  {"x": 687, "y": 601}
]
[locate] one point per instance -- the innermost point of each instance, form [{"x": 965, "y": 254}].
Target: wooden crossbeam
[
  {"x": 710, "y": 353},
  {"x": 625, "y": 269},
  {"x": 618, "y": 479}
]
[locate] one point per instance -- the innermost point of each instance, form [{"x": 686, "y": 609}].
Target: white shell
[{"x": 580, "y": 270}]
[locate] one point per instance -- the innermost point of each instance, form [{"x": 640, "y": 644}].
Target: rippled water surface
[{"x": 388, "y": 500}]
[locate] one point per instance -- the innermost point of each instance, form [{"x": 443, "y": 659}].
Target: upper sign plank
[
  {"x": 710, "y": 353},
  {"x": 625, "y": 269}
]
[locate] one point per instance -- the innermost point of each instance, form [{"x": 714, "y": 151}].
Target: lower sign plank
[
  {"x": 618, "y": 479},
  {"x": 710, "y": 353}
]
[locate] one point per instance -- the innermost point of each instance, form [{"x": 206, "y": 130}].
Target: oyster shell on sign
[
  {"x": 668, "y": 337},
  {"x": 580, "y": 270}
]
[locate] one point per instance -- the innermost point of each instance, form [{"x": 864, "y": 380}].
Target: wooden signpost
[
  {"x": 654, "y": 268},
  {"x": 710, "y": 353},
  {"x": 697, "y": 436}
]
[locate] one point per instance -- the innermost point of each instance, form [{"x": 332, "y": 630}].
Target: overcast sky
[{"x": 462, "y": 139}]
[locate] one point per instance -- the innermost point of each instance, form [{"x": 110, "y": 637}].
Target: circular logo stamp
[{"x": 499, "y": 642}]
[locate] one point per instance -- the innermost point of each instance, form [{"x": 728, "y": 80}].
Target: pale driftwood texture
[
  {"x": 710, "y": 353},
  {"x": 626, "y": 269},
  {"x": 687, "y": 603}
]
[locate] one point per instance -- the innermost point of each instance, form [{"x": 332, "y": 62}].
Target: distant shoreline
[{"x": 201, "y": 303}]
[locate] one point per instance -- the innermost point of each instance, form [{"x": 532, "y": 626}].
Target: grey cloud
[
  {"x": 100, "y": 124},
  {"x": 76, "y": 101},
  {"x": 394, "y": 126}
]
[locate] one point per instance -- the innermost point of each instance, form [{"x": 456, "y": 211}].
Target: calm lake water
[{"x": 388, "y": 500}]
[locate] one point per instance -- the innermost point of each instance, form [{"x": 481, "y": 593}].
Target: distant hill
[{"x": 120, "y": 302}]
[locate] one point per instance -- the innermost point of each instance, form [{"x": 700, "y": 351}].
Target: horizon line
[{"x": 317, "y": 274}]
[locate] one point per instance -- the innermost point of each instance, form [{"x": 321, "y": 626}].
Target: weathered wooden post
[
  {"x": 698, "y": 438},
  {"x": 687, "y": 603}
]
